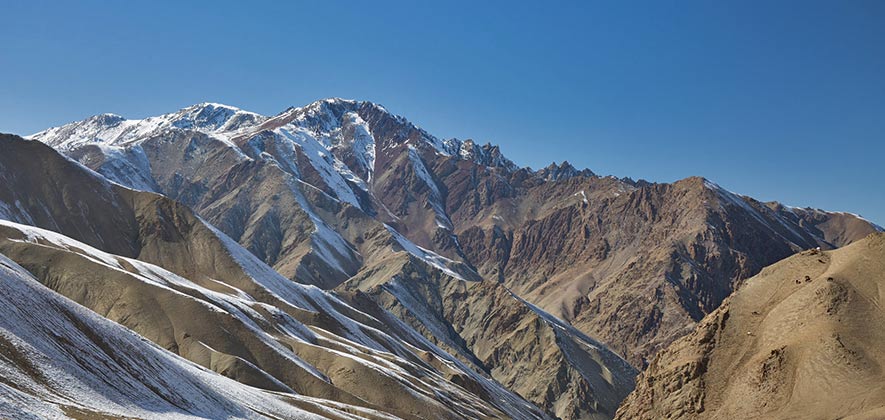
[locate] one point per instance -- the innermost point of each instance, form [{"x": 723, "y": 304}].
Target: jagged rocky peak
[
  {"x": 105, "y": 120},
  {"x": 564, "y": 170},
  {"x": 326, "y": 115},
  {"x": 486, "y": 155},
  {"x": 332, "y": 119},
  {"x": 323, "y": 115},
  {"x": 344, "y": 120}
]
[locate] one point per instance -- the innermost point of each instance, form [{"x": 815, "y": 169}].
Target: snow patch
[
  {"x": 331, "y": 170},
  {"x": 363, "y": 143},
  {"x": 430, "y": 257},
  {"x": 583, "y": 196},
  {"x": 435, "y": 200},
  {"x": 127, "y": 376}
]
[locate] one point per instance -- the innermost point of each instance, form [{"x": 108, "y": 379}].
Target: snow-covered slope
[
  {"x": 114, "y": 130},
  {"x": 328, "y": 146},
  {"x": 118, "y": 139},
  {"x": 60, "y": 359},
  {"x": 275, "y": 345},
  {"x": 328, "y": 131}
]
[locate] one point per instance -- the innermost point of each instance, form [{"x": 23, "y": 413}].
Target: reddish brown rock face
[{"x": 635, "y": 264}]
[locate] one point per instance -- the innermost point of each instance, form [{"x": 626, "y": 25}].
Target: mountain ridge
[
  {"x": 464, "y": 148},
  {"x": 506, "y": 270},
  {"x": 476, "y": 220},
  {"x": 192, "y": 116}
]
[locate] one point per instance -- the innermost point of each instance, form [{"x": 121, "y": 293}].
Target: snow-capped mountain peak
[
  {"x": 214, "y": 117},
  {"x": 331, "y": 122},
  {"x": 114, "y": 130}
]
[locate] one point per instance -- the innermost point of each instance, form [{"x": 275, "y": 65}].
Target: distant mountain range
[{"x": 336, "y": 259}]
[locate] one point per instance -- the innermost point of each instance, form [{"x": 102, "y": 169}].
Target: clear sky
[{"x": 780, "y": 100}]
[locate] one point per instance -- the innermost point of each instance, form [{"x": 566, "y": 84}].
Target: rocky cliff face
[
  {"x": 634, "y": 265},
  {"x": 542, "y": 358},
  {"x": 799, "y": 340}
]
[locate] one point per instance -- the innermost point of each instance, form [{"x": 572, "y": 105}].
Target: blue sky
[{"x": 780, "y": 100}]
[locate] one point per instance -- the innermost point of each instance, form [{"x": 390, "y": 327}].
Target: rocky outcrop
[
  {"x": 488, "y": 327},
  {"x": 564, "y": 170},
  {"x": 635, "y": 265},
  {"x": 799, "y": 340}
]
